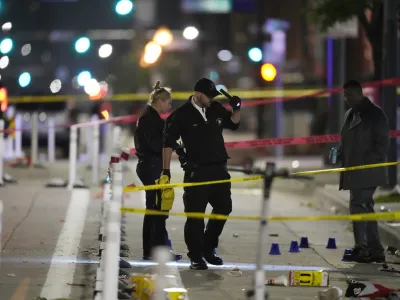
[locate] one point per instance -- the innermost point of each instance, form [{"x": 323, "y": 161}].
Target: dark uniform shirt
[
  {"x": 203, "y": 140},
  {"x": 149, "y": 134}
]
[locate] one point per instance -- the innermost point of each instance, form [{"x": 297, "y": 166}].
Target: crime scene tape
[
  {"x": 278, "y": 95},
  {"x": 381, "y": 216},
  {"x": 252, "y": 178},
  {"x": 292, "y": 141}
]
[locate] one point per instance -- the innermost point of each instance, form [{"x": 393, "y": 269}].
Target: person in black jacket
[
  {"x": 148, "y": 142},
  {"x": 199, "y": 123},
  {"x": 364, "y": 140}
]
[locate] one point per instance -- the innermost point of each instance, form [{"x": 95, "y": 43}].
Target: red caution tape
[{"x": 298, "y": 140}]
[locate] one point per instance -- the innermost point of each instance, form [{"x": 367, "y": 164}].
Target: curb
[{"x": 326, "y": 199}]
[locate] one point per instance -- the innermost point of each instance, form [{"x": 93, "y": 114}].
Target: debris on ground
[
  {"x": 235, "y": 272},
  {"x": 77, "y": 284},
  {"x": 11, "y": 275},
  {"x": 235, "y": 235},
  {"x": 274, "y": 234},
  {"x": 332, "y": 293},
  {"x": 278, "y": 281}
]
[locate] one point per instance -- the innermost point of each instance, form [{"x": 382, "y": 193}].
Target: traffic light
[
  {"x": 268, "y": 72},
  {"x": 6, "y": 45},
  {"x": 255, "y": 54},
  {"x": 124, "y": 7},
  {"x": 82, "y": 45}
]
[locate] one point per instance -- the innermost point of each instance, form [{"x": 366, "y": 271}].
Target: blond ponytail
[{"x": 159, "y": 92}]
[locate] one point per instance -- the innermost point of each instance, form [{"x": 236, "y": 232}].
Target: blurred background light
[
  {"x": 105, "y": 50},
  {"x": 225, "y": 55},
  {"x": 82, "y": 45},
  {"x": 190, "y": 33},
  {"x": 24, "y": 79},
  {"x": 6, "y": 45},
  {"x": 124, "y": 7},
  {"x": 4, "y": 61},
  {"x": 84, "y": 77},
  {"x": 255, "y": 54}
]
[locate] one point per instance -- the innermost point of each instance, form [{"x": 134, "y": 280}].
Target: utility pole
[{"x": 389, "y": 63}]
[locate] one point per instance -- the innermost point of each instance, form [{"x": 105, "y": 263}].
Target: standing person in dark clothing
[
  {"x": 199, "y": 123},
  {"x": 364, "y": 140},
  {"x": 148, "y": 141}
]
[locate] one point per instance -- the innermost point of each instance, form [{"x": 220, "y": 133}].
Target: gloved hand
[
  {"x": 166, "y": 172},
  {"x": 235, "y": 102},
  {"x": 182, "y": 157},
  {"x": 164, "y": 197}
]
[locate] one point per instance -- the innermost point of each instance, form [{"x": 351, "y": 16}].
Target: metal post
[
  {"x": 1, "y": 152},
  {"x": 259, "y": 279},
  {"x": 95, "y": 154},
  {"x": 108, "y": 145},
  {"x": 389, "y": 63},
  {"x": 18, "y": 136},
  {"x": 111, "y": 257},
  {"x": 51, "y": 141},
  {"x": 34, "y": 138},
  {"x": 260, "y": 109},
  {"x": 73, "y": 149}
]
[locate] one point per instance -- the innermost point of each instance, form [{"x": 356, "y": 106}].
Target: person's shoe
[
  {"x": 371, "y": 258},
  {"x": 354, "y": 253},
  {"x": 175, "y": 256},
  {"x": 212, "y": 258},
  {"x": 332, "y": 293},
  {"x": 198, "y": 263}
]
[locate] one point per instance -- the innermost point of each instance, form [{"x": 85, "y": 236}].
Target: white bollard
[
  {"x": 8, "y": 147},
  {"x": 1, "y": 223},
  {"x": 51, "y": 141},
  {"x": 18, "y": 136},
  {"x": 116, "y": 138},
  {"x": 34, "y": 139},
  {"x": 1, "y": 151},
  {"x": 109, "y": 137},
  {"x": 73, "y": 149},
  {"x": 95, "y": 154},
  {"x": 111, "y": 257},
  {"x": 162, "y": 255}
]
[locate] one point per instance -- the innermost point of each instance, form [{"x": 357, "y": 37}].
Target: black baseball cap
[{"x": 207, "y": 87}]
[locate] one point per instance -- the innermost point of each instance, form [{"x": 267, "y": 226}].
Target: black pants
[
  {"x": 196, "y": 199},
  {"x": 154, "y": 227},
  {"x": 366, "y": 234}
]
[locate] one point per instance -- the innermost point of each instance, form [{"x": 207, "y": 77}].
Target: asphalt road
[{"x": 50, "y": 245}]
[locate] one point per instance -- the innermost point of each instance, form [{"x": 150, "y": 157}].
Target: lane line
[
  {"x": 21, "y": 290},
  {"x": 172, "y": 268},
  {"x": 67, "y": 246}
]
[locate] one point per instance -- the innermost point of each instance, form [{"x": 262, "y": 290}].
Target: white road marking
[
  {"x": 67, "y": 246},
  {"x": 176, "y": 280}
]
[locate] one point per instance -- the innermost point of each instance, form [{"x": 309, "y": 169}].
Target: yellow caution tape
[
  {"x": 249, "y": 94},
  {"x": 174, "y": 185},
  {"x": 381, "y": 216},
  {"x": 253, "y": 178}
]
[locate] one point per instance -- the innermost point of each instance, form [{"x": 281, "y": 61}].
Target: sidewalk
[
  {"x": 330, "y": 198},
  {"x": 238, "y": 245}
]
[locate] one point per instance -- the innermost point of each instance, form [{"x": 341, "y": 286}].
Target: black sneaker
[
  {"x": 198, "y": 264},
  {"x": 372, "y": 258},
  {"x": 352, "y": 255},
  {"x": 175, "y": 256},
  {"x": 212, "y": 258}
]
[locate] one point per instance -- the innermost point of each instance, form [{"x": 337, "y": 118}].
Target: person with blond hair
[{"x": 149, "y": 146}]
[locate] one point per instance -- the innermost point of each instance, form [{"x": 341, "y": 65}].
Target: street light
[
  {"x": 124, "y": 7},
  {"x": 83, "y": 78},
  {"x": 82, "y": 45},
  {"x": 105, "y": 50},
  {"x": 268, "y": 72},
  {"x": 152, "y": 52},
  {"x": 255, "y": 54},
  {"x": 24, "y": 79},
  {"x": 190, "y": 33},
  {"x": 6, "y": 45},
  {"x": 163, "y": 37}
]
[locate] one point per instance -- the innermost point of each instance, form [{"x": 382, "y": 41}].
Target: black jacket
[
  {"x": 149, "y": 135},
  {"x": 364, "y": 140},
  {"x": 203, "y": 141}
]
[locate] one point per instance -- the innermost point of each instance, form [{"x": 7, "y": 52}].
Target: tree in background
[{"x": 326, "y": 13}]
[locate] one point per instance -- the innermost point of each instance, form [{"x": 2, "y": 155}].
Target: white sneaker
[{"x": 332, "y": 293}]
